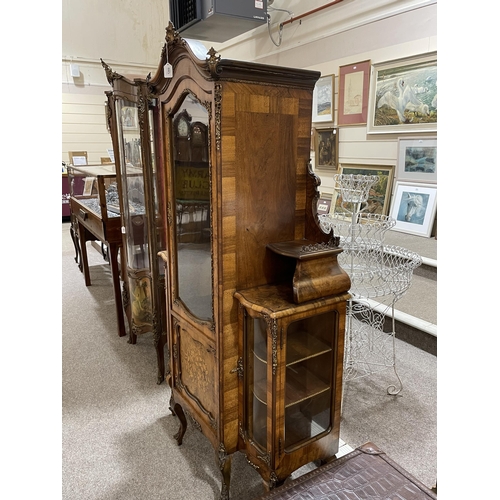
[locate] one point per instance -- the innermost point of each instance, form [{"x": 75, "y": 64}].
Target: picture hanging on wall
[
  {"x": 403, "y": 96},
  {"x": 417, "y": 159},
  {"x": 323, "y": 99},
  {"x": 326, "y": 141},
  {"x": 354, "y": 85},
  {"x": 414, "y": 208},
  {"x": 130, "y": 118},
  {"x": 380, "y": 193}
]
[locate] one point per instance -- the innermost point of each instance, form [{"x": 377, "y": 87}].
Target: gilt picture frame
[
  {"x": 417, "y": 159},
  {"x": 414, "y": 208},
  {"x": 379, "y": 198},
  {"x": 354, "y": 86},
  {"x": 403, "y": 96},
  {"x": 323, "y": 97},
  {"x": 326, "y": 148}
]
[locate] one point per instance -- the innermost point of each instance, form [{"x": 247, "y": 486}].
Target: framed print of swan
[{"x": 403, "y": 96}]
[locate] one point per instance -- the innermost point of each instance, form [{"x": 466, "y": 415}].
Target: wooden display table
[{"x": 93, "y": 221}]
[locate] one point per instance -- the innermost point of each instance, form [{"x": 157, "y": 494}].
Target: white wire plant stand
[{"x": 380, "y": 276}]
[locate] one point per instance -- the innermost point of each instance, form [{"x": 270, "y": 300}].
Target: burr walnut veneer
[{"x": 233, "y": 141}]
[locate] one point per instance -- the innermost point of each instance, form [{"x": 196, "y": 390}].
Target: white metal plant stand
[{"x": 380, "y": 276}]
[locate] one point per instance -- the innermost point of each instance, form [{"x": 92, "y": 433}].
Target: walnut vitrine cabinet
[
  {"x": 233, "y": 141},
  {"x": 291, "y": 351},
  {"x": 131, "y": 124}
]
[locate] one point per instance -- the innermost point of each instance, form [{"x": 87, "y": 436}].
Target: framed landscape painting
[
  {"x": 354, "y": 85},
  {"x": 414, "y": 208},
  {"x": 323, "y": 99},
  {"x": 417, "y": 159},
  {"x": 380, "y": 193},
  {"x": 403, "y": 96}
]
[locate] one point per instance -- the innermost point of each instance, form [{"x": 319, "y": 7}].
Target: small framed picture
[
  {"x": 417, "y": 159},
  {"x": 354, "y": 86},
  {"x": 89, "y": 184},
  {"x": 326, "y": 146},
  {"x": 129, "y": 118},
  {"x": 414, "y": 208},
  {"x": 323, "y": 99}
]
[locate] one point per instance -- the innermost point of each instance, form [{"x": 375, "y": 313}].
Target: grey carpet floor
[{"x": 117, "y": 430}]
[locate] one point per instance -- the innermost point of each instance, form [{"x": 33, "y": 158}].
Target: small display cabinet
[
  {"x": 95, "y": 216},
  {"x": 291, "y": 351}
]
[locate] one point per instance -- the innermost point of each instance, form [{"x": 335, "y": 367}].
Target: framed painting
[
  {"x": 323, "y": 99},
  {"x": 129, "y": 118},
  {"x": 326, "y": 148},
  {"x": 89, "y": 184},
  {"x": 380, "y": 193},
  {"x": 417, "y": 159},
  {"x": 403, "y": 96},
  {"x": 354, "y": 86},
  {"x": 414, "y": 208}
]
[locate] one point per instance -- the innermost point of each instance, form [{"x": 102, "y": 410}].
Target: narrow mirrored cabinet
[{"x": 131, "y": 122}]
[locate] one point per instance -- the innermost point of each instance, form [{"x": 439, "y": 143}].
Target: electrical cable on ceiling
[
  {"x": 292, "y": 18},
  {"x": 280, "y": 29}
]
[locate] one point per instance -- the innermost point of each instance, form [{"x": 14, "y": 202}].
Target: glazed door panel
[
  {"x": 309, "y": 384},
  {"x": 192, "y": 263}
]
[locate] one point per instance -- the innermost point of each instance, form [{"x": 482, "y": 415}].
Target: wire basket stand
[{"x": 377, "y": 272}]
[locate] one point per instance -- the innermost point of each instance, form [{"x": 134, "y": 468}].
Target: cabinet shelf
[
  {"x": 301, "y": 345},
  {"x": 301, "y": 384},
  {"x": 300, "y": 428}
]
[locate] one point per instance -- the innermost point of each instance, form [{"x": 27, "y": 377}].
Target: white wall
[
  {"x": 341, "y": 35},
  {"x": 83, "y": 107},
  {"x": 129, "y": 35}
]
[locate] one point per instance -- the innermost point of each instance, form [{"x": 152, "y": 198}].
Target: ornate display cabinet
[
  {"x": 234, "y": 139},
  {"x": 131, "y": 124},
  {"x": 292, "y": 348}
]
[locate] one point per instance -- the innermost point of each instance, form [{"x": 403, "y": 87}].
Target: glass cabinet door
[
  {"x": 255, "y": 335},
  {"x": 132, "y": 184},
  {"x": 191, "y": 184},
  {"x": 135, "y": 214},
  {"x": 308, "y": 378}
]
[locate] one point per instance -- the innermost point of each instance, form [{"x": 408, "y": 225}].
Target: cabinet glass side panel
[
  {"x": 256, "y": 380},
  {"x": 154, "y": 172},
  {"x": 309, "y": 378},
  {"x": 134, "y": 218},
  {"x": 192, "y": 208}
]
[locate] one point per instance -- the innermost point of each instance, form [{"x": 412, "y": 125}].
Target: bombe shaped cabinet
[{"x": 233, "y": 139}]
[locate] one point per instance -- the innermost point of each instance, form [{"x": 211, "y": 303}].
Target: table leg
[{"x": 82, "y": 236}]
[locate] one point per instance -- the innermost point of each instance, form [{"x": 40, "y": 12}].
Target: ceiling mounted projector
[{"x": 217, "y": 20}]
